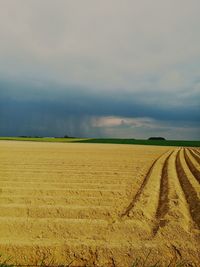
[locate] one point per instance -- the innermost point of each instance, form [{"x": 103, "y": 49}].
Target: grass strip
[{"x": 177, "y": 143}]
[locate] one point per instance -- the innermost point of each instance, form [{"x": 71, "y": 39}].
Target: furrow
[
  {"x": 197, "y": 151},
  {"x": 109, "y": 181},
  {"x": 189, "y": 191},
  {"x": 195, "y": 155},
  {"x": 147, "y": 197},
  {"x": 57, "y": 186},
  {"x": 102, "y": 180},
  {"x": 33, "y": 230},
  {"x": 69, "y": 252},
  {"x": 35, "y": 172},
  {"x": 139, "y": 192},
  {"x": 163, "y": 204},
  {"x": 195, "y": 184},
  {"x": 23, "y": 228},
  {"x": 56, "y": 211},
  {"x": 8, "y": 191},
  {"x": 55, "y": 200},
  {"x": 194, "y": 170},
  {"x": 175, "y": 219},
  {"x": 178, "y": 215}
]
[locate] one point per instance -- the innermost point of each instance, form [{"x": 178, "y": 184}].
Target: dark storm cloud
[
  {"x": 54, "y": 110},
  {"x": 74, "y": 101}
]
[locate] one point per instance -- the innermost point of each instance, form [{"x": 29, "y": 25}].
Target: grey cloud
[
  {"x": 66, "y": 62},
  {"x": 100, "y": 45}
]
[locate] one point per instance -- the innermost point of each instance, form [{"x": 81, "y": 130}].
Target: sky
[{"x": 109, "y": 68}]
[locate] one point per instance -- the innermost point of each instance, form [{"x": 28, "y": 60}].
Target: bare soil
[{"x": 98, "y": 204}]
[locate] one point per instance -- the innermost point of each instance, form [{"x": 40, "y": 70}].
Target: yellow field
[{"x": 98, "y": 205}]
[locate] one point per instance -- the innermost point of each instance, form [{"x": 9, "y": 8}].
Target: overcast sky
[{"x": 109, "y": 68}]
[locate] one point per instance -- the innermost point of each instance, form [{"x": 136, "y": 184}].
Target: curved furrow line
[
  {"x": 191, "y": 166},
  {"x": 163, "y": 204},
  {"x": 195, "y": 155},
  {"x": 197, "y": 151},
  {"x": 140, "y": 190},
  {"x": 195, "y": 184},
  {"x": 178, "y": 208},
  {"x": 190, "y": 193}
]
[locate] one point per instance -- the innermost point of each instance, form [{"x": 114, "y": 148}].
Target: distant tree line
[{"x": 156, "y": 138}]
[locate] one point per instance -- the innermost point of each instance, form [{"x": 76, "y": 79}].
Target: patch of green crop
[
  {"x": 42, "y": 139},
  {"x": 179, "y": 143}
]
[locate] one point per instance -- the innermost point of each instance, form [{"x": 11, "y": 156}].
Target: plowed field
[{"x": 98, "y": 205}]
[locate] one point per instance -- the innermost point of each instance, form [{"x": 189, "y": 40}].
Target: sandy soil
[{"x": 98, "y": 205}]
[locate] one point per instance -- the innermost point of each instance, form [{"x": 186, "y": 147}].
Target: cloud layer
[{"x": 66, "y": 65}]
